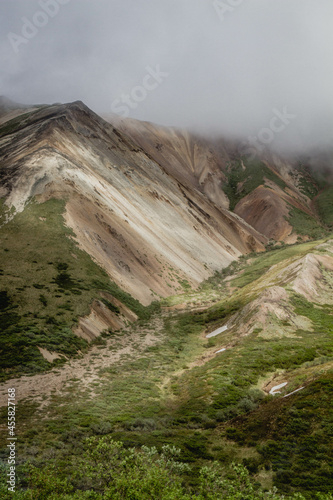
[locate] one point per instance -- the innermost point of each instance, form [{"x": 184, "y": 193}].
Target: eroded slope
[
  {"x": 274, "y": 195},
  {"x": 146, "y": 229}
]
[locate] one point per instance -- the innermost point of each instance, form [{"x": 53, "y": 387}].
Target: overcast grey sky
[{"x": 228, "y": 66}]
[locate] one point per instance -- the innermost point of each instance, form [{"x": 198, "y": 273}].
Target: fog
[{"x": 260, "y": 70}]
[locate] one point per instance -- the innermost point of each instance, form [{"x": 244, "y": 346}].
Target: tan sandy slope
[
  {"x": 203, "y": 163},
  {"x": 148, "y": 230}
]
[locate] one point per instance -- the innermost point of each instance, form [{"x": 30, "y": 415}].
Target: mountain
[
  {"x": 7, "y": 105},
  {"x": 69, "y": 181},
  {"x": 159, "y": 288},
  {"x": 153, "y": 210},
  {"x": 10, "y": 109},
  {"x": 281, "y": 198},
  {"x": 134, "y": 218}
]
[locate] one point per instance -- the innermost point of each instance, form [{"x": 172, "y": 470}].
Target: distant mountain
[
  {"x": 10, "y": 109},
  {"x": 282, "y": 199},
  {"x": 7, "y": 104}
]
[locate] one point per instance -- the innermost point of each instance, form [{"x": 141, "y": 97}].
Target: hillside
[
  {"x": 159, "y": 290},
  {"x": 281, "y": 198},
  {"x": 126, "y": 211},
  {"x": 258, "y": 393}
]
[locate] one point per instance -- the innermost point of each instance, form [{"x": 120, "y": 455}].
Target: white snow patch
[
  {"x": 275, "y": 390},
  {"x": 293, "y": 392},
  {"x": 216, "y": 332}
]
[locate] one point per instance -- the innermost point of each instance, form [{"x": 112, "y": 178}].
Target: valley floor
[{"x": 166, "y": 381}]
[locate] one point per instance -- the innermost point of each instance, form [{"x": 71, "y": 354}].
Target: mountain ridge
[
  {"x": 217, "y": 168},
  {"x": 69, "y": 151},
  {"x": 137, "y": 304}
]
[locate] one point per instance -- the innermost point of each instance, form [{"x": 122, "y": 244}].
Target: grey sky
[{"x": 231, "y": 64}]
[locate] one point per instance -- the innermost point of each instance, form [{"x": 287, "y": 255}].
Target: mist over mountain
[
  {"x": 224, "y": 68},
  {"x": 166, "y": 251}
]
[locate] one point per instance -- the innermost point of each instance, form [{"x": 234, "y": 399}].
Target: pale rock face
[
  {"x": 148, "y": 230},
  {"x": 271, "y": 314},
  {"x": 312, "y": 277},
  {"x": 192, "y": 160},
  {"x": 202, "y": 164}
]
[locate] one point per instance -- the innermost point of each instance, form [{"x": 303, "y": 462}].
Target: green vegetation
[
  {"x": 174, "y": 416},
  {"x": 293, "y": 437},
  {"x": 231, "y": 388},
  {"x": 15, "y": 124},
  {"x": 46, "y": 284},
  {"x": 111, "y": 306},
  {"x": 244, "y": 176},
  {"x": 143, "y": 313},
  {"x": 263, "y": 262},
  {"x": 313, "y": 184},
  {"x": 304, "y": 224},
  {"x": 324, "y": 205},
  {"x": 309, "y": 182},
  {"x": 107, "y": 470}
]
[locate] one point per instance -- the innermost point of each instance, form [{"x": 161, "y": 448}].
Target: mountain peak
[{"x": 8, "y": 104}]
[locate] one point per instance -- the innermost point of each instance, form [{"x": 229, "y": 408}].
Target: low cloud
[{"x": 230, "y": 65}]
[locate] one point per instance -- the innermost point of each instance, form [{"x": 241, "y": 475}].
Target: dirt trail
[
  {"x": 131, "y": 342},
  {"x": 85, "y": 369}
]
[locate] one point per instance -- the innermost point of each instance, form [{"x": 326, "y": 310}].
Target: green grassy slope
[
  {"x": 252, "y": 176},
  {"x": 293, "y": 438},
  {"x": 304, "y": 224},
  {"x": 324, "y": 205},
  {"x": 210, "y": 408},
  {"x": 46, "y": 284},
  {"x": 244, "y": 176},
  {"x": 18, "y": 123}
]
